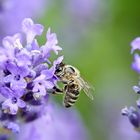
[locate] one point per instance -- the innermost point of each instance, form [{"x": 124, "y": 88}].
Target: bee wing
[{"x": 88, "y": 90}]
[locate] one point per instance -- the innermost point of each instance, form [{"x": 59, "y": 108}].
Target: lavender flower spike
[
  {"x": 132, "y": 113},
  {"x": 26, "y": 74}
]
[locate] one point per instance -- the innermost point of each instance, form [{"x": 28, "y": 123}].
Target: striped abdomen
[{"x": 71, "y": 96}]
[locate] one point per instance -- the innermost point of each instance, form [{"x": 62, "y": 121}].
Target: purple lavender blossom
[
  {"x": 135, "y": 44},
  {"x": 26, "y": 73},
  {"x": 13, "y": 12},
  {"x": 132, "y": 113},
  {"x": 136, "y": 63},
  {"x": 133, "y": 116},
  {"x": 11, "y": 105},
  {"x": 56, "y": 123}
]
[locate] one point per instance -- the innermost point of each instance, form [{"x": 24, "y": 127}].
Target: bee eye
[
  {"x": 70, "y": 70},
  {"x": 58, "y": 69}
]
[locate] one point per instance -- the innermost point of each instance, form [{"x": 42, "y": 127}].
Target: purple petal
[
  {"x": 135, "y": 44},
  {"x": 12, "y": 68},
  {"x": 23, "y": 71},
  {"x": 27, "y": 24},
  {"x": 58, "y": 60},
  {"x": 33, "y": 46},
  {"x": 23, "y": 58},
  {"x": 18, "y": 84},
  {"x": 51, "y": 44},
  {"x": 125, "y": 111},
  {"x": 48, "y": 84},
  {"x": 51, "y": 37},
  {"x": 21, "y": 103},
  {"x": 8, "y": 78},
  {"x": 48, "y": 73},
  {"x": 32, "y": 73},
  {"x": 31, "y": 29},
  {"x": 40, "y": 68},
  {"x": 38, "y": 29},
  {"x": 10, "y": 106},
  {"x": 12, "y": 41},
  {"x": 12, "y": 126},
  {"x": 6, "y": 92},
  {"x": 56, "y": 49},
  {"x": 36, "y": 87},
  {"x": 42, "y": 90},
  {"x": 36, "y": 58},
  {"x": 13, "y": 109},
  {"x": 40, "y": 78},
  {"x": 136, "y": 63},
  {"x": 17, "y": 70},
  {"x": 136, "y": 89},
  {"x": 18, "y": 92}
]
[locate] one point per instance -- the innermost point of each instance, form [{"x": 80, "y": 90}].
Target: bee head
[{"x": 59, "y": 69}]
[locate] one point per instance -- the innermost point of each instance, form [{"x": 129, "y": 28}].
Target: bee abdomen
[{"x": 70, "y": 99}]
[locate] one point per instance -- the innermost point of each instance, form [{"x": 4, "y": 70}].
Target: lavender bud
[
  {"x": 133, "y": 116},
  {"x": 136, "y": 89}
]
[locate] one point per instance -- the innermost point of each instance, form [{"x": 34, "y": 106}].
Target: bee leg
[{"x": 57, "y": 90}]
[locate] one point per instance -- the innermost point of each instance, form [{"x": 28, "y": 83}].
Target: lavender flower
[
  {"x": 136, "y": 63},
  {"x": 132, "y": 113},
  {"x": 26, "y": 74},
  {"x": 133, "y": 116},
  {"x": 57, "y": 123},
  {"x": 13, "y": 12},
  {"x": 135, "y": 44}
]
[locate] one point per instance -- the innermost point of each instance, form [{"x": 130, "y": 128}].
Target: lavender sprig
[
  {"x": 132, "y": 113},
  {"x": 26, "y": 74}
]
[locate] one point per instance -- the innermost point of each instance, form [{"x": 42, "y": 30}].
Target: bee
[{"x": 73, "y": 84}]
